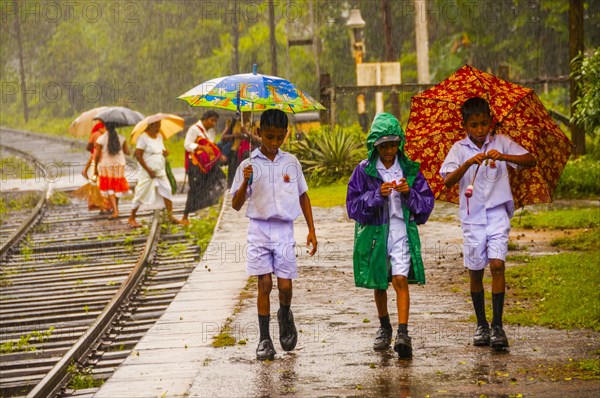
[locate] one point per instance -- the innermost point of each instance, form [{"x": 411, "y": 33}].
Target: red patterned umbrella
[{"x": 435, "y": 124}]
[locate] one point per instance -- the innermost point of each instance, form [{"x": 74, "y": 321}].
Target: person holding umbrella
[
  {"x": 153, "y": 183},
  {"x": 109, "y": 165},
  {"x": 274, "y": 185},
  {"x": 485, "y": 208}
]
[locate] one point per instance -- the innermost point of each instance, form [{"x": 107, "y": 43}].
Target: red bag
[{"x": 205, "y": 159}]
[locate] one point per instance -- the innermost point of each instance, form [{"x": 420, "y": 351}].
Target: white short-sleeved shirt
[
  {"x": 491, "y": 187},
  {"x": 192, "y": 134},
  {"x": 276, "y": 186},
  {"x": 394, "y": 173},
  {"x": 153, "y": 151}
]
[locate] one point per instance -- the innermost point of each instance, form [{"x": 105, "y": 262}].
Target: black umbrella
[{"x": 120, "y": 116}]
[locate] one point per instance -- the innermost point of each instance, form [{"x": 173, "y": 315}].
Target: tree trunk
[
  {"x": 272, "y": 37},
  {"x": 235, "y": 34},
  {"x": 390, "y": 53},
  {"x": 21, "y": 62},
  {"x": 422, "y": 41},
  {"x": 576, "y": 48},
  {"x": 315, "y": 27}
]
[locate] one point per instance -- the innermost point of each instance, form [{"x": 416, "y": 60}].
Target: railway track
[{"x": 79, "y": 291}]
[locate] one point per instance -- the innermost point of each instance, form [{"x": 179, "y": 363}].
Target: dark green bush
[
  {"x": 580, "y": 179},
  {"x": 330, "y": 156}
]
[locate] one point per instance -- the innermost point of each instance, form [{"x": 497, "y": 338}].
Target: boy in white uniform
[
  {"x": 485, "y": 215},
  {"x": 273, "y": 182}
]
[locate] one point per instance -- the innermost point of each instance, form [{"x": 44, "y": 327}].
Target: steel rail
[
  {"x": 58, "y": 376},
  {"x": 30, "y": 221}
]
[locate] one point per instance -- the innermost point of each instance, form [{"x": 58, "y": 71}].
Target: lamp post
[{"x": 356, "y": 25}]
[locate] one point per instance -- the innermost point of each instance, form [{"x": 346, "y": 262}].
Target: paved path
[{"x": 337, "y": 323}]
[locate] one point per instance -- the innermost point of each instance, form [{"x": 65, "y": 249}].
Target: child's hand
[
  {"x": 494, "y": 155},
  {"x": 477, "y": 159},
  {"x": 247, "y": 172},
  {"x": 311, "y": 240},
  {"x": 165, "y": 153},
  {"x": 402, "y": 186},
  {"x": 386, "y": 188}
]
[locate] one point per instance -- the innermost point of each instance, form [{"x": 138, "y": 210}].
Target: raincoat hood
[{"x": 384, "y": 124}]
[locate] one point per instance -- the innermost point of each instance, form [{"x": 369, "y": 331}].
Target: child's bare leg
[
  {"x": 476, "y": 280},
  {"x": 263, "y": 302},
  {"x": 498, "y": 281},
  {"x": 381, "y": 302},
  {"x": 285, "y": 291},
  {"x": 400, "y": 284}
]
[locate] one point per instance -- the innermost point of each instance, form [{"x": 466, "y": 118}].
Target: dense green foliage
[
  {"x": 329, "y": 156},
  {"x": 144, "y": 54},
  {"x": 588, "y": 105},
  {"x": 580, "y": 179}
]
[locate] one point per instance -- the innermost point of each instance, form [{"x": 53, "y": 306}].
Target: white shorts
[
  {"x": 483, "y": 242},
  {"x": 271, "y": 248},
  {"x": 397, "y": 248}
]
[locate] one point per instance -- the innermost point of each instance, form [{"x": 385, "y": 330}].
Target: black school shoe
[
  {"x": 403, "y": 346},
  {"x": 288, "y": 336},
  {"x": 498, "y": 338},
  {"x": 481, "y": 337},
  {"x": 383, "y": 339},
  {"x": 265, "y": 350}
]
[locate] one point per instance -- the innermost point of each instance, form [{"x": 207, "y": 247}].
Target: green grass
[
  {"x": 17, "y": 201},
  {"x": 328, "y": 195},
  {"x": 580, "y": 179},
  {"x": 559, "y": 219},
  {"x": 176, "y": 151},
  {"x": 583, "y": 241},
  {"x": 561, "y": 291}
]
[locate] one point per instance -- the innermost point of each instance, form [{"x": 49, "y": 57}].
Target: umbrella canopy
[
  {"x": 435, "y": 124},
  {"x": 256, "y": 92},
  {"x": 169, "y": 125},
  {"x": 84, "y": 123},
  {"x": 120, "y": 116}
]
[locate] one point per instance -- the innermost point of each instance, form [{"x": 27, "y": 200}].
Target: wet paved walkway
[{"x": 337, "y": 323}]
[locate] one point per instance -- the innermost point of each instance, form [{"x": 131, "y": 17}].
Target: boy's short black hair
[
  {"x": 273, "y": 118},
  {"x": 209, "y": 114},
  {"x": 474, "y": 106}
]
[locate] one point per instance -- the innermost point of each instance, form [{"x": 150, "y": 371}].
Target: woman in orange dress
[{"x": 109, "y": 155}]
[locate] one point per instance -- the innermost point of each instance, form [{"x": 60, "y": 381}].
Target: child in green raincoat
[{"x": 388, "y": 197}]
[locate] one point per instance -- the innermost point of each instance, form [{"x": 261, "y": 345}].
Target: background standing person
[
  {"x": 387, "y": 197},
  {"x": 485, "y": 209},
  {"x": 111, "y": 148},
  {"x": 277, "y": 196},
  {"x": 205, "y": 188},
  {"x": 153, "y": 183}
]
